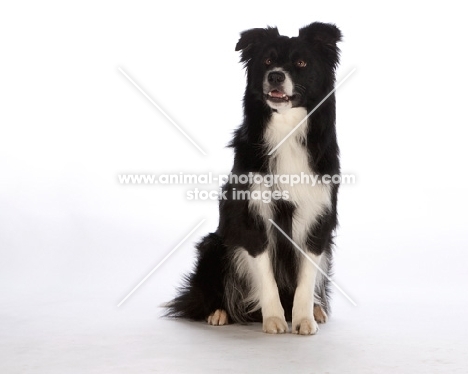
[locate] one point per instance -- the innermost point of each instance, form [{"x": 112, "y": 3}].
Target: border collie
[{"x": 251, "y": 269}]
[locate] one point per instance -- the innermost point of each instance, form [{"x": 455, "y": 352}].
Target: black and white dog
[{"x": 248, "y": 270}]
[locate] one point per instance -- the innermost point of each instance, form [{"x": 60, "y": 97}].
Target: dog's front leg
[
  {"x": 272, "y": 310},
  {"x": 303, "y": 321}
]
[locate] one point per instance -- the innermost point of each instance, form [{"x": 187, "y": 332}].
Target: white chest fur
[{"x": 292, "y": 159}]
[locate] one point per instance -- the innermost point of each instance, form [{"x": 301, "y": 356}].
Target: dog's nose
[{"x": 276, "y": 77}]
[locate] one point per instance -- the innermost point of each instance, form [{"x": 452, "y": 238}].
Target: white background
[{"x": 74, "y": 242}]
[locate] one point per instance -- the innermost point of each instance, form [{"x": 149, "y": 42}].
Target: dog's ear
[
  {"x": 324, "y": 36},
  {"x": 250, "y": 38}
]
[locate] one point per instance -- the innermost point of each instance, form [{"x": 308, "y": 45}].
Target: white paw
[
  {"x": 319, "y": 314},
  {"x": 275, "y": 325},
  {"x": 305, "y": 326},
  {"x": 218, "y": 318}
]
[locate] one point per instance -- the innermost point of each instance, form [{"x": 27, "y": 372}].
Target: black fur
[{"x": 214, "y": 283}]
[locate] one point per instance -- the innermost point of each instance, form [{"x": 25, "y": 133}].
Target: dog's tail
[{"x": 202, "y": 291}]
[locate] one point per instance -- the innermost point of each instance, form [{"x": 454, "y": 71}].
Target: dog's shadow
[{"x": 235, "y": 331}]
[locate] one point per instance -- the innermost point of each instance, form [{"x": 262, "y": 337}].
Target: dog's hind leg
[
  {"x": 322, "y": 290},
  {"x": 319, "y": 314},
  {"x": 218, "y": 318},
  {"x": 202, "y": 295}
]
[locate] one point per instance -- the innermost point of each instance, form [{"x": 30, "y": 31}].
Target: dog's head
[{"x": 288, "y": 72}]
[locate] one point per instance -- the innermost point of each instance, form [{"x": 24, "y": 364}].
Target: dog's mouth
[{"x": 278, "y": 96}]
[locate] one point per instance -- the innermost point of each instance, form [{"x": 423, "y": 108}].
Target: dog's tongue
[{"x": 276, "y": 93}]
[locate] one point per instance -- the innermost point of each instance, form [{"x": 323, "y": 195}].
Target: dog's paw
[
  {"x": 275, "y": 325},
  {"x": 218, "y": 318},
  {"x": 305, "y": 326},
  {"x": 319, "y": 314}
]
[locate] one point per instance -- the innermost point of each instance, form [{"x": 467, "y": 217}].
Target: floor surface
[{"x": 92, "y": 336}]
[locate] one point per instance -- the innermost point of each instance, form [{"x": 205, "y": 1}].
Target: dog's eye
[
  {"x": 301, "y": 63},
  {"x": 268, "y": 61}
]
